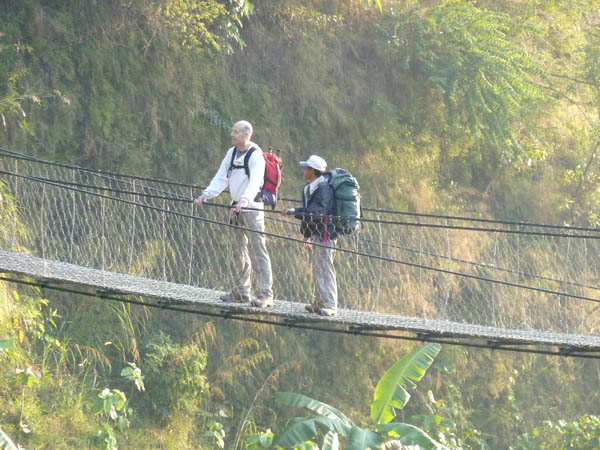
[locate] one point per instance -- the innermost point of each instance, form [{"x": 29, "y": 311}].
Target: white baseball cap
[{"x": 316, "y": 162}]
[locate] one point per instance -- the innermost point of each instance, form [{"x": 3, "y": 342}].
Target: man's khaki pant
[
  {"x": 252, "y": 256},
  {"x": 326, "y": 294}
]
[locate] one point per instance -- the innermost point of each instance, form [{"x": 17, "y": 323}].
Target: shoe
[
  {"x": 263, "y": 302},
  {"x": 312, "y": 308},
  {"x": 234, "y": 297},
  {"x": 327, "y": 311}
]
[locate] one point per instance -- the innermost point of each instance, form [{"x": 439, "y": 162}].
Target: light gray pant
[
  {"x": 252, "y": 256},
  {"x": 326, "y": 294}
]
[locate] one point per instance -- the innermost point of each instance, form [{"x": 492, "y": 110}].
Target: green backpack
[{"x": 347, "y": 201}]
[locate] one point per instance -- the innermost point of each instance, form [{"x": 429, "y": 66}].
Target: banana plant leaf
[
  {"x": 6, "y": 443},
  {"x": 390, "y": 392},
  {"x": 362, "y": 439},
  {"x": 408, "y": 434},
  {"x": 331, "y": 441},
  {"x": 305, "y": 429},
  {"x": 302, "y": 401}
]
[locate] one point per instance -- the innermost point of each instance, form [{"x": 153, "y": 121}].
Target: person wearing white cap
[
  {"x": 244, "y": 186},
  {"x": 318, "y": 201}
]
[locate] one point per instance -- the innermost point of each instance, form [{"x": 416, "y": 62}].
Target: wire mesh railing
[{"x": 498, "y": 274}]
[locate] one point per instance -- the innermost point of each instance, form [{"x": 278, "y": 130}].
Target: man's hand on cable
[
  {"x": 201, "y": 200},
  {"x": 306, "y": 243},
  {"x": 241, "y": 204}
]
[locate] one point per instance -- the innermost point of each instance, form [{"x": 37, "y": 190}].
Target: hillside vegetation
[{"x": 480, "y": 108}]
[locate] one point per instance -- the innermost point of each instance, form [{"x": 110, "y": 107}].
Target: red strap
[{"x": 325, "y": 233}]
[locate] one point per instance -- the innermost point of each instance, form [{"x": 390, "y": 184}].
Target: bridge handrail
[
  {"x": 17, "y": 155},
  {"x": 317, "y": 244}
]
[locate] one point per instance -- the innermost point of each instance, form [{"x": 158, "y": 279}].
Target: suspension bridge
[{"x": 467, "y": 281}]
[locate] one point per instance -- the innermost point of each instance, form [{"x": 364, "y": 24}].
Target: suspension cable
[
  {"x": 358, "y": 219},
  {"x": 460, "y": 260},
  {"x": 181, "y": 198},
  {"x": 17, "y": 155},
  {"x": 297, "y": 240},
  {"x": 570, "y": 351}
]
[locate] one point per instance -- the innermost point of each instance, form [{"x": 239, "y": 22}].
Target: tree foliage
[
  {"x": 200, "y": 24},
  {"x": 583, "y": 434},
  {"x": 487, "y": 81},
  {"x": 435, "y": 106},
  {"x": 12, "y": 96}
]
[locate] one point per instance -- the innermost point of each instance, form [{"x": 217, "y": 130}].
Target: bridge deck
[{"x": 59, "y": 272}]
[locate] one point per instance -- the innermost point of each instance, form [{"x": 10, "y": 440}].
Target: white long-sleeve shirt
[{"x": 240, "y": 186}]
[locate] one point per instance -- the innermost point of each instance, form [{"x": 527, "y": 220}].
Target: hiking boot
[
  {"x": 263, "y": 302},
  {"x": 234, "y": 297},
  {"x": 327, "y": 311},
  {"x": 312, "y": 308}
]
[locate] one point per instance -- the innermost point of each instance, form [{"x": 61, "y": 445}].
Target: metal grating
[{"x": 59, "y": 272}]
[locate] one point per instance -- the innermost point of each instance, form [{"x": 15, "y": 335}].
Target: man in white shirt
[{"x": 244, "y": 175}]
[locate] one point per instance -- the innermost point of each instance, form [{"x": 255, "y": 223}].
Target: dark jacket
[{"x": 321, "y": 202}]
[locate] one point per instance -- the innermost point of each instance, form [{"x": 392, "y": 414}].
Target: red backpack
[{"x": 272, "y": 174}]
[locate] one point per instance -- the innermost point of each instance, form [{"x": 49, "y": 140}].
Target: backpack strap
[
  {"x": 232, "y": 161},
  {"x": 246, "y": 159}
]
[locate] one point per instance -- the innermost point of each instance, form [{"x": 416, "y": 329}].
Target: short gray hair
[{"x": 245, "y": 126}]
